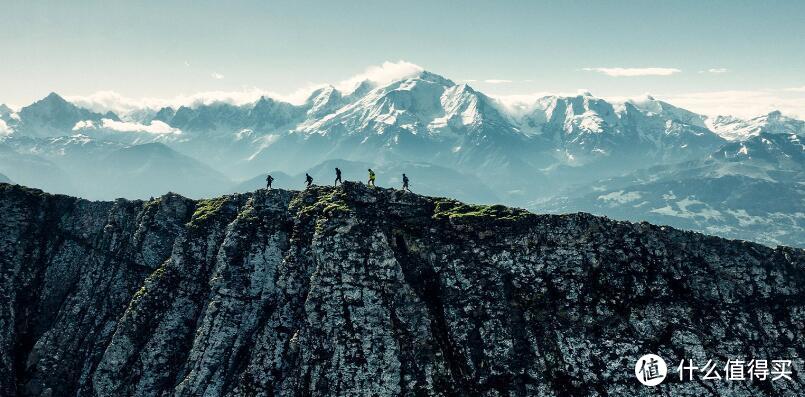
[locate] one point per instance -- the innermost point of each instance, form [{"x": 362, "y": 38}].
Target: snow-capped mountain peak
[
  {"x": 735, "y": 129},
  {"x": 648, "y": 103},
  {"x": 54, "y": 116}
]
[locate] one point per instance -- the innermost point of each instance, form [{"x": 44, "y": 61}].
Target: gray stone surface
[{"x": 357, "y": 291}]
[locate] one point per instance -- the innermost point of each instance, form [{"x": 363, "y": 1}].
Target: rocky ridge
[{"x": 360, "y": 291}]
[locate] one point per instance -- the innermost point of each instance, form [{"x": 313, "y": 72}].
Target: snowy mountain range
[{"x": 559, "y": 153}]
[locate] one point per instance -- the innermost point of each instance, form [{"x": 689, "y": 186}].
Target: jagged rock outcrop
[{"x": 359, "y": 291}]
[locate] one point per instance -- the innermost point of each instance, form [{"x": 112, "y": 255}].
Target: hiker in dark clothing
[
  {"x": 337, "y": 177},
  {"x": 308, "y": 179},
  {"x": 405, "y": 183},
  {"x": 371, "y": 178},
  {"x": 269, "y": 179}
]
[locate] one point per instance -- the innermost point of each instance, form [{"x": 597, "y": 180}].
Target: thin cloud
[
  {"x": 217, "y": 76},
  {"x": 717, "y": 70},
  {"x": 740, "y": 103},
  {"x": 795, "y": 89},
  {"x": 634, "y": 72},
  {"x": 497, "y": 81}
]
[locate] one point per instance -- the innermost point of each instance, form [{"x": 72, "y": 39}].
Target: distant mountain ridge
[
  {"x": 733, "y": 128},
  {"x": 750, "y": 189},
  {"x": 456, "y": 138}
]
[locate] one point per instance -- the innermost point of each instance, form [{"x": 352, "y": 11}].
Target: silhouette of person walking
[
  {"x": 308, "y": 179},
  {"x": 269, "y": 179},
  {"x": 405, "y": 183},
  {"x": 371, "y": 178},
  {"x": 337, "y": 177}
]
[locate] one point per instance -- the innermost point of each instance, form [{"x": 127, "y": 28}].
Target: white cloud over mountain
[
  {"x": 382, "y": 74},
  {"x": 154, "y": 127},
  {"x": 4, "y": 130},
  {"x": 103, "y": 101},
  {"x": 741, "y": 103}
]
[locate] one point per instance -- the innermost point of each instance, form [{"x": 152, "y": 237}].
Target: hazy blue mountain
[
  {"x": 5, "y": 179},
  {"x": 34, "y": 171},
  {"x": 749, "y": 189},
  {"x": 281, "y": 181},
  {"x": 152, "y": 169}
]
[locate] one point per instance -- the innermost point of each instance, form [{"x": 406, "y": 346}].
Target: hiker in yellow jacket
[{"x": 371, "y": 178}]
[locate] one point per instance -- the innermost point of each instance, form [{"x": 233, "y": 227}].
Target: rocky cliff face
[{"x": 358, "y": 291}]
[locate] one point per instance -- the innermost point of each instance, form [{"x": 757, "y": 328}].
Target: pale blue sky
[{"x": 156, "y": 49}]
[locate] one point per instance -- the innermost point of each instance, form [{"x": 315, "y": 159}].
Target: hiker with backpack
[{"x": 371, "y": 181}]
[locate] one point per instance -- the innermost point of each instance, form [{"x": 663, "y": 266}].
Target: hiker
[
  {"x": 371, "y": 178},
  {"x": 269, "y": 179},
  {"x": 405, "y": 183},
  {"x": 308, "y": 179},
  {"x": 337, "y": 177}
]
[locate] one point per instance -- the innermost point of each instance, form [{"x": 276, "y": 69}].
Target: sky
[{"x": 714, "y": 57}]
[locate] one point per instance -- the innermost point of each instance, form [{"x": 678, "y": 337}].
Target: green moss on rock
[
  {"x": 206, "y": 210},
  {"x": 332, "y": 202},
  {"x": 454, "y": 210}
]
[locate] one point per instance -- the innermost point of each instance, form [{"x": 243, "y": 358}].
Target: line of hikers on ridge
[{"x": 370, "y": 182}]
